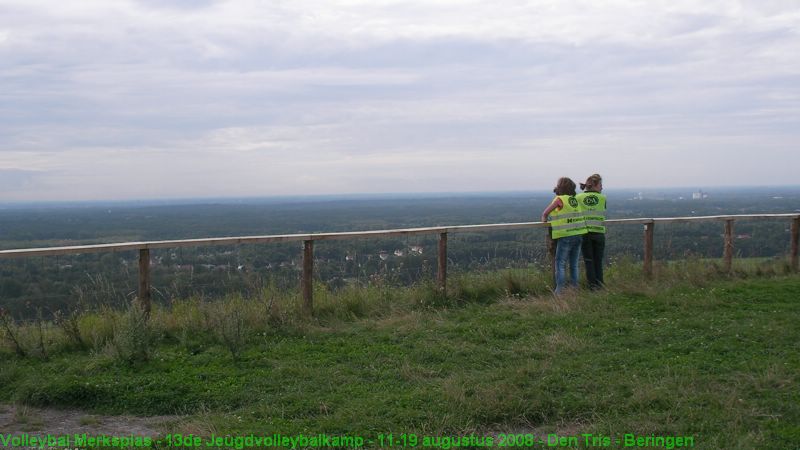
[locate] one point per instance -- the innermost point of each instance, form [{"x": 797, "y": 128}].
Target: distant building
[{"x": 699, "y": 195}]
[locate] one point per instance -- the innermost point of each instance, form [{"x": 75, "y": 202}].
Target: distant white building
[{"x": 699, "y": 195}]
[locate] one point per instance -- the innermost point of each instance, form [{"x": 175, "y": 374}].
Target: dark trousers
[{"x": 593, "y": 248}]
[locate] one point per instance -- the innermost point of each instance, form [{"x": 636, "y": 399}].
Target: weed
[
  {"x": 70, "y": 325},
  {"x": 88, "y": 420},
  {"x": 11, "y": 332},
  {"x": 201, "y": 423},
  {"x": 231, "y": 328},
  {"x": 97, "y": 329},
  {"x": 39, "y": 331},
  {"x": 133, "y": 336},
  {"x": 27, "y": 417}
]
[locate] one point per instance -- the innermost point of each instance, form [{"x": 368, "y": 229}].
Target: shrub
[
  {"x": 231, "y": 327},
  {"x": 11, "y": 332},
  {"x": 133, "y": 336}
]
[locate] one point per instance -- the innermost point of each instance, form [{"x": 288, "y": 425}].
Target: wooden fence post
[
  {"x": 144, "y": 281},
  {"x": 441, "y": 275},
  {"x": 648, "y": 248},
  {"x": 308, "y": 280},
  {"x": 795, "y": 241},
  {"x": 728, "y": 251}
]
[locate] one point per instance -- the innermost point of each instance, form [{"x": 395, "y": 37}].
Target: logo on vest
[
  {"x": 573, "y": 202},
  {"x": 591, "y": 200}
]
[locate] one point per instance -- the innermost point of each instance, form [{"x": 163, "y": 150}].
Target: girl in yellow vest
[
  {"x": 567, "y": 226},
  {"x": 593, "y": 204}
]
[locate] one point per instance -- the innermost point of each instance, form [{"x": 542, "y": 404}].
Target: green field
[{"x": 694, "y": 353}]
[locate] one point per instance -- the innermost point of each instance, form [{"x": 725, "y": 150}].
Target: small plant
[
  {"x": 88, "y": 420},
  {"x": 99, "y": 291},
  {"x": 133, "y": 336},
  {"x": 11, "y": 332},
  {"x": 39, "y": 330},
  {"x": 513, "y": 285},
  {"x": 231, "y": 328},
  {"x": 69, "y": 325},
  {"x": 27, "y": 418},
  {"x": 97, "y": 329}
]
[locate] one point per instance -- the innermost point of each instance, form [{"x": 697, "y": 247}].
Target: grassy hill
[{"x": 693, "y": 353}]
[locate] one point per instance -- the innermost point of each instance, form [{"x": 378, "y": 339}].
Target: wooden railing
[{"x": 144, "y": 248}]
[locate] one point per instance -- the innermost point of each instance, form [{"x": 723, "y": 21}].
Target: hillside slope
[{"x": 718, "y": 361}]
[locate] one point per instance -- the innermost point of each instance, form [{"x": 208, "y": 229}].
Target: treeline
[{"x": 33, "y": 286}]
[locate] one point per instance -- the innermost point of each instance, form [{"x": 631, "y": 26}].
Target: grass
[
  {"x": 695, "y": 352},
  {"x": 27, "y": 419},
  {"x": 88, "y": 420}
]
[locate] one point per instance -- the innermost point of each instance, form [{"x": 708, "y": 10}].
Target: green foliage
[
  {"x": 230, "y": 325},
  {"x": 70, "y": 326},
  {"x": 133, "y": 336},
  {"x": 97, "y": 328},
  {"x": 59, "y": 283},
  {"x": 695, "y": 351},
  {"x": 10, "y": 332}
]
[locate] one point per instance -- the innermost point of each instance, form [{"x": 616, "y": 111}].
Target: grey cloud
[
  {"x": 177, "y": 4},
  {"x": 15, "y": 180},
  {"x": 192, "y": 84}
]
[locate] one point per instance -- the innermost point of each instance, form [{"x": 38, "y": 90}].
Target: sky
[{"x": 148, "y": 99}]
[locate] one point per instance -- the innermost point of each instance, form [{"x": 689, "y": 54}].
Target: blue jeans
[{"x": 567, "y": 249}]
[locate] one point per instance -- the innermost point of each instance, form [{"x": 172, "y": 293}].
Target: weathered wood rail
[{"x": 649, "y": 224}]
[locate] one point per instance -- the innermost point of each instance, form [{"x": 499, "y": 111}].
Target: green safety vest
[
  {"x": 593, "y": 205},
  {"x": 568, "y": 221}
]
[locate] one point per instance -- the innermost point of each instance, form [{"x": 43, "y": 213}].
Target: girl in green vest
[
  {"x": 593, "y": 204},
  {"x": 567, "y": 226}
]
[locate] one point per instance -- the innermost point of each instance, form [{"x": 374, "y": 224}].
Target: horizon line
[{"x": 172, "y": 200}]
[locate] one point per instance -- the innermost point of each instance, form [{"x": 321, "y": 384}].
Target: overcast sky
[{"x": 112, "y": 99}]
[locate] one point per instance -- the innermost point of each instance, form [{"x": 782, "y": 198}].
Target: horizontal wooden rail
[
  {"x": 308, "y": 238},
  {"x": 128, "y": 246}
]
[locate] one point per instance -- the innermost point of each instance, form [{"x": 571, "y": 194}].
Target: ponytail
[{"x": 592, "y": 182}]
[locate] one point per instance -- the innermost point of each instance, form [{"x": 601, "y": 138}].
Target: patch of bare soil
[{"x": 21, "y": 419}]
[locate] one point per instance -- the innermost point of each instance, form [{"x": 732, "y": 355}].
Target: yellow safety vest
[
  {"x": 568, "y": 221},
  {"x": 593, "y": 205}
]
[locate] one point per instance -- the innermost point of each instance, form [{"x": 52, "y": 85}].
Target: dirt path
[{"x": 19, "y": 419}]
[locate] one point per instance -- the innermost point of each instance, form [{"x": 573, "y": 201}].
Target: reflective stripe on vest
[
  {"x": 593, "y": 205},
  {"x": 568, "y": 221}
]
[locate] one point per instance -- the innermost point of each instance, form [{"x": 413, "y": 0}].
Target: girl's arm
[{"x": 556, "y": 204}]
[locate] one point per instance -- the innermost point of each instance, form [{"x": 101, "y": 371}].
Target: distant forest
[{"x": 43, "y": 285}]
